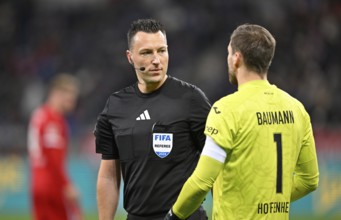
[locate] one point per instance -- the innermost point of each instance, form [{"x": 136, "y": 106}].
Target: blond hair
[{"x": 64, "y": 81}]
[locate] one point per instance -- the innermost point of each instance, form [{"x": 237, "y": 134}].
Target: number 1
[{"x": 278, "y": 140}]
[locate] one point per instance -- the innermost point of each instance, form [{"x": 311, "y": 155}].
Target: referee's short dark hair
[{"x": 144, "y": 25}]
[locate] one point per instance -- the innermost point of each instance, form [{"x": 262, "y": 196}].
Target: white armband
[{"x": 213, "y": 150}]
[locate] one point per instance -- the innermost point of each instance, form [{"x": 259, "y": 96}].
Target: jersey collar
[
  {"x": 253, "y": 83},
  {"x": 151, "y": 94}
]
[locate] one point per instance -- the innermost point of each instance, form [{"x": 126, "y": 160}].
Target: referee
[
  {"x": 150, "y": 133},
  {"x": 259, "y": 154}
]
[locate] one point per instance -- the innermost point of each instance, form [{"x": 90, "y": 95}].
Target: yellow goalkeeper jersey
[{"x": 267, "y": 135}]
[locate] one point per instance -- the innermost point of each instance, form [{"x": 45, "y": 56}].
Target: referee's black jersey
[{"x": 157, "y": 137}]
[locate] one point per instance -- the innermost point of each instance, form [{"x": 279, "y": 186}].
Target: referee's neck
[{"x": 148, "y": 87}]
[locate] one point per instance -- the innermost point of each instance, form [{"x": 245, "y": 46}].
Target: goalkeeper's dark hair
[
  {"x": 144, "y": 25},
  {"x": 256, "y": 44}
]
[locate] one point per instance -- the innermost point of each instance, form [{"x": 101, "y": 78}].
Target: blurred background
[{"x": 40, "y": 38}]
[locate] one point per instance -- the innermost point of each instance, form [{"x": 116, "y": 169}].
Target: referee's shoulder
[
  {"x": 122, "y": 92},
  {"x": 181, "y": 84}
]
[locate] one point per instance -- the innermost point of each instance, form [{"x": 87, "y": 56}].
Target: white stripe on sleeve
[{"x": 213, "y": 150}]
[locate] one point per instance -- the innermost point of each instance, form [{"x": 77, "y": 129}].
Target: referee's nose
[{"x": 156, "y": 59}]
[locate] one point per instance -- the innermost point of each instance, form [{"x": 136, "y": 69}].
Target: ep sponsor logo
[{"x": 211, "y": 130}]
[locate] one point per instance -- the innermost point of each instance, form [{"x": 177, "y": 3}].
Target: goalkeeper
[{"x": 259, "y": 154}]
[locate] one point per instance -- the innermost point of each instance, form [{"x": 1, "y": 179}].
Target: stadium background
[{"x": 39, "y": 38}]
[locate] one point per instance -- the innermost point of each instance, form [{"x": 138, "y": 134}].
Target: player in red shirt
[{"x": 54, "y": 197}]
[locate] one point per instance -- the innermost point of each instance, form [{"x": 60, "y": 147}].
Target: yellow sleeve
[
  {"x": 305, "y": 180},
  {"x": 306, "y": 176},
  {"x": 221, "y": 125},
  {"x": 197, "y": 186}
]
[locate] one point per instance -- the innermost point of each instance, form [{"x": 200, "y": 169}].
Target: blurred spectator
[{"x": 53, "y": 195}]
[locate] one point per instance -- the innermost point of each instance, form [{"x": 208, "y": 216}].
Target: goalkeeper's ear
[{"x": 171, "y": 216}]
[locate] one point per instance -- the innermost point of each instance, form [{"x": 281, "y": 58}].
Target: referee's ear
[{"x": 129, "y": 57}]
